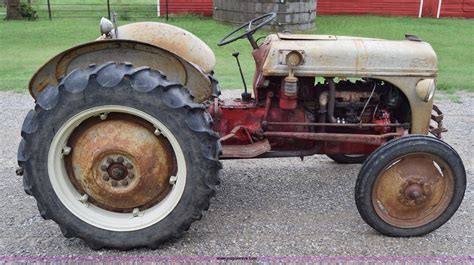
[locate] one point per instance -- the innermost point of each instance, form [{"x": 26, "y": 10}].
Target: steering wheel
[{"x": 265, "y": 19}]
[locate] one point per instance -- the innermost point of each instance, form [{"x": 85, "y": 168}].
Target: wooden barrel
[{"x": 293, "y": 15}]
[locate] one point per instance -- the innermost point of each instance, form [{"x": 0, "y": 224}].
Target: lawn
[{"x": 25, "y": 46}]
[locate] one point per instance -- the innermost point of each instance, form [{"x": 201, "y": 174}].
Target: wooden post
[
  {"x": 49, "y": 10},
  {"x": 158, "y": 11},
  {"x": 166, "y": 10},
  {"x": 108, "y": 8}
]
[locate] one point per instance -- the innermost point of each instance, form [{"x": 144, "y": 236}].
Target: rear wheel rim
[
  {"x": 118, "y": 192},
  {"x": 413, "y": 190}
]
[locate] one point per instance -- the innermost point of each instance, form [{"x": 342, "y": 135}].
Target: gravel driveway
[{"x": 263, "y": 207}]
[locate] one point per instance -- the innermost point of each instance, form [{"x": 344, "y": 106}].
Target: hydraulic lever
[{"x": 245, "y": 96}]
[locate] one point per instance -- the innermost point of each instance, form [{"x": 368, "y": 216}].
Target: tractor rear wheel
[
  {"x": 349, "y": 158},
  {"x": 410, "y": 186},
  {"x": 119, "y": 156}
]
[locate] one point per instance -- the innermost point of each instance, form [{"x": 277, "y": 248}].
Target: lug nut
[
  {"x": 120, "y": 159},
  {"x": 66, "y": 150},
  {"x": 84, "y": 198},
  {"x": 105, "y": 177},
  {"x": 129, "y": 165},
  {"x": 124, "y": 182},
  {"x": 131, "y": 175},
  {"x": 136, "y": 212},
  {"x": 173, "y": 180},
  {"x": 114, "y": 183},
  {"x": 110, "y": 160},
  {"x": 103, "y": 116},
  {"x": 103, "y": 167},
  {"x": 157, "y": 132}
]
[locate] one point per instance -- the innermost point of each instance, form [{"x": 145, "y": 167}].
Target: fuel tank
[{"x": 328, "y": 55}]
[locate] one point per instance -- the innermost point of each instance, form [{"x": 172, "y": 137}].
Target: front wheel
[
  {"x": 410, "y": 186},
  {"x": 119, "y": 156}
]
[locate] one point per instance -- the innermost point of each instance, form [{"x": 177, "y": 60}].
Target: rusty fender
[{"x": 139, "y": 54}]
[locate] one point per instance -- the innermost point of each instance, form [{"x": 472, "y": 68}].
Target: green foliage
[{"x": 28, "y": 12}]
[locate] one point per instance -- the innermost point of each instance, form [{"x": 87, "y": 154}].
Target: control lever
[{"x": 245, "y": 96}]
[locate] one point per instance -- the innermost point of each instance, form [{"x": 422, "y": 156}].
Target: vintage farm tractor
[{"x": 122, "y": 148}]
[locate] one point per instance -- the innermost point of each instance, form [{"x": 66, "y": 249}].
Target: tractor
[{"x": 123, "y": 146}]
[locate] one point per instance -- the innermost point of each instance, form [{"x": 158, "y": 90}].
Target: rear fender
[{"x": 200, "y": 84}]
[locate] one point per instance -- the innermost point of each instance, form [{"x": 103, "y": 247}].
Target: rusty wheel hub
[
  {"x": 120, "y": 163},
  {"x": 413, "y": 190},
  {"x": 117, "y": 171}
]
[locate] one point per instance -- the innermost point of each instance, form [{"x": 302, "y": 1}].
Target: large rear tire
[
  {"x": 410, "y": 186},
  {"x": 119, "y": 156}
]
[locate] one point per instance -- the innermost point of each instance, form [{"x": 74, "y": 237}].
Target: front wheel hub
[{"x": 413, "y": 192}]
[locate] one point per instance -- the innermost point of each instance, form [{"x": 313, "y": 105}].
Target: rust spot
[
  {"x": 124, "y": 139},
  {"x": 413, "y": 190}
]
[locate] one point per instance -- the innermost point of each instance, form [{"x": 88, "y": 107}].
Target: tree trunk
[{"x": 13, "y": 9}]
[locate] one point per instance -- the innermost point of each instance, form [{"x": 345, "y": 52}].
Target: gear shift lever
[{"x": 245, "y": 96}]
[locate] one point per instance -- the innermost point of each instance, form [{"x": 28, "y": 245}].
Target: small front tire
[{"x": 410, "y": 186}]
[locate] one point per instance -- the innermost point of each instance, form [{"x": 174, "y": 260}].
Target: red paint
[
  {"x": 183, "y": 7},
  {"x": 383, "y": 119},
  {"x": 430, "y": 8},
  {"x": 449, "y": 8},
  {"x": 288, "y": 102},
  {"x": 468, "y": 6},
  {"x": 366, "y": 7},
  {"x": 240, "y": 123},
  {"x": 457, "y": 8}
]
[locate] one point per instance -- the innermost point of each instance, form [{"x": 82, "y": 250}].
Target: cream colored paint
[{"x": 171, "y": 38}]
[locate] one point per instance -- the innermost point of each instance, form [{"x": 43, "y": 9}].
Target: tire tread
[{"x": 142, "y": 80}]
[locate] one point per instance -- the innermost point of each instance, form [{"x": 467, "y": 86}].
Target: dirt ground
[{"x": 263, "y": 207}]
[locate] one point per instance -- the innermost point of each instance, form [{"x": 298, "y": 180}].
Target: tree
[{"x": 13, "y": 9}]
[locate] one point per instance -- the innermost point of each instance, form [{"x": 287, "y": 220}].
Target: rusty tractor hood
[
  {"x": 176, "y": 40},
  {"x": 328, "y": 55}
]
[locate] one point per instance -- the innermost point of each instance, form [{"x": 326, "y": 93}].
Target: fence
[
  {"x": 141, "y": 9},
  {"x": 137, "y": 9}
]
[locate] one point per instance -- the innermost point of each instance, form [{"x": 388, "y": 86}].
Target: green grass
[
  {"x": 96, "y": 8},
  {"x": 25, "y": 46}
]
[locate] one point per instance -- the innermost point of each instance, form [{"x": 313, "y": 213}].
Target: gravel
[{"x": 263, "y": 207}]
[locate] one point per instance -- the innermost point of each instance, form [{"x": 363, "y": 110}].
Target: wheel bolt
[
  {"x": 103, "y": 167},
  {"x": 103, "y": 116},
  {"x": 129, "y": 165},
  {"x": 173, "y": 180},
  {"x": 110, "y": 160},
  {"x": 114, "y": 183},
  {"x": 120, "y": 159},
  {"x": 131, "y": 175},
  {"x": 124, "y": 182},
  {"x": 66, "y": 150},
  {"x": 105, "y": 177}
]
